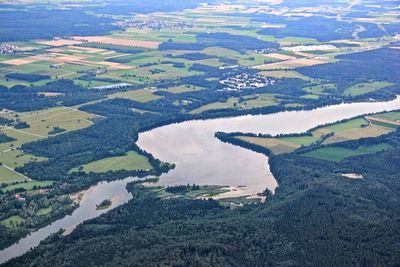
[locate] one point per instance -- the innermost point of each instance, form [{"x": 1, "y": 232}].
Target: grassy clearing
[
  {"x": 261, "y": 100},
  {"x": 9, "y": 176},
  {"x": 28, "y": 185},
  {"x": 17, "y": 158},
  {"x": 350, "y": 130},
  {"x": 364, "y": 88},
  {"x": 142, "y": 95},
  {"x": 42, "y": 122},
  {"x": 22, "y": 138},
  {"x": 358, "y": 133},
  {"x": 183, "y": 89},
  {"x": 230, "y": 103},
  {"x": 394, "y": 116},
  {"x": 44, "y": 212},
  {"x": 132, "y": 161},
  {"x": 12, "y": 222},
  {"x": 320, "y": 88},
  {"x": 337, "y": 154},
  {"x": 281, "y": 74},
  {"x": 300, "y": 140},
  {"x": 255, "y": 101},
  {"x": 343, "y": 126}
]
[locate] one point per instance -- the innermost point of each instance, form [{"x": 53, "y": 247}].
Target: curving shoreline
[{"x": 202, "y": 159}]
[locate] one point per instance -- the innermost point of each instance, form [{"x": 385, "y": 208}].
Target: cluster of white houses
[{"x": 245, "y": 81}]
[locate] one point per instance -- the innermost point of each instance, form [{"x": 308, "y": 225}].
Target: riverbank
[{"x": 203, "y": 158}]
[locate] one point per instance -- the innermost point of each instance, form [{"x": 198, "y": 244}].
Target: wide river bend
[{"x": 202, "y": 159}]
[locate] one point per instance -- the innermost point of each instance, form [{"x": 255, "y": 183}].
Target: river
[{"x": 202, "y": 159}]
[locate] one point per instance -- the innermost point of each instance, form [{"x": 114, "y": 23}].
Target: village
[
  {"x": 154, "y": 25},
  {"x": 245, "y": 81},
  {"x": 7, "y": 48}
]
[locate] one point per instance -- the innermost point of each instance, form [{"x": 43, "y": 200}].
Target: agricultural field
[
  {"x": 365, "y": 88},
  {"x": 131, "y": 161},
  {"x": 7, "y": 175},
  {"x": 28, "y": 185},
  {"x": 337, "y": 154},
  {"x": 43, "y": 122},
  {"x": 279, "y": 74},
  {"x": 250, "y": 102},
  {"x": 143, "y": 95},
  {"x": 275, "y": 145},
  {"x": 183, "y": 89},
  {"x": 354, "y": 129}
]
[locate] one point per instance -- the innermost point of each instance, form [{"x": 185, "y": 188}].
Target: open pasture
[
  {"x": 320, "y": 89},
  {"x": 353, "y": 129},
  {"x": 357, "y": 133},
  {"x": 277, "y": 146},
  {"x": 119, "y": 41},
  {"x": 364, "y": 88},
  {"x": 337, "y": 154},
  {"x": 342, "y": 126},
  {"x": 256, "y": 101},
  {"x": 17, "y": 158},
  {"x": 12, "y": 222},
  {"x": 28, "y": 185},
  {"x": 183, "y": 89},
  {"x": 291, "y": 64},
  {"x": 282, "y": 74},
  {"x": 42, "y": 122},
  {"x": 142, "y": 95},
  {"x": 59, "y": 42},
  {"x": 131, "y": 161},
  {"x": 7, "y": 175}
]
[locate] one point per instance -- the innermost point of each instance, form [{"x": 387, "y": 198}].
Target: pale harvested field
[
  {"x": 61, "y": 42},
  {"x": 397, "y": 123},
  {"x": 302, "y": 54},
  {"x": 81, "y": 60},
  {"x": 209, "y": 20},
  {"x": 358, "y": 133},
  {"x": 271, "y": 2},
  {"x": 21, "y": 61},
  {"x": 107, "y": 53},
  {"x": 299, "y": 14},
  {"x": 276, "y": 146},
  {"x": 68, "y": 58},
  {"x": 291, "y": 64},
  {"x": 279, "y": 74},
  {"x": 89, "y": 50},
  {"x": 116, "y": 66},
  {"x": 219, "y": 8},
  {"x": 279, "y": 56},
  {"x": 118, "y": 41},
  {"x": 305, "y": 48},
  {"x": 55, "y": 50}
]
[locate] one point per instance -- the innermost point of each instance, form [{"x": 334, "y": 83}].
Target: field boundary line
[{"x": 14, "y": 171}]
